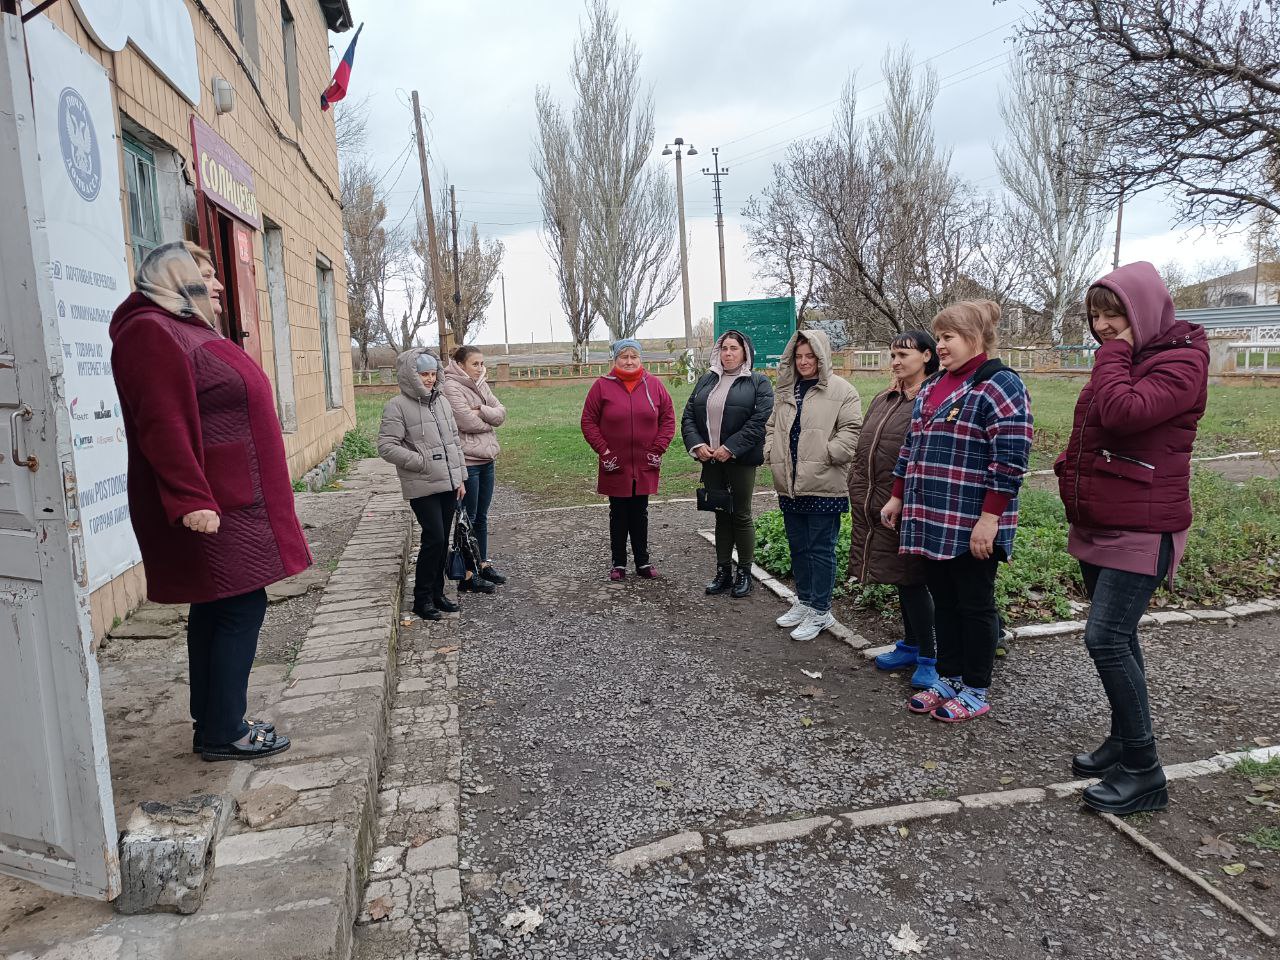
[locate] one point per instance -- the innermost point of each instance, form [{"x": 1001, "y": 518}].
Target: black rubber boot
[
  {"x": 1136, "y": 785},
  {"x": 1098, "y": 762},
  {"x": 723, "y": 580},
  {"x": 741, "y": 582}
]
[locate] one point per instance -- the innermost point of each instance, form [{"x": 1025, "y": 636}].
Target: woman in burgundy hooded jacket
[
  {"x": 628, "y": 420},
  {"x": 1125, "y": 480}
]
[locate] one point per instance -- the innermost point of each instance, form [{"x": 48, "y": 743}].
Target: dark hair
[
  {"x": 920, "y": 340},
  {"x": 734, "y": 334},
  {"x": 1104, "y": 298},
  {"x": 460, "y": 355}
]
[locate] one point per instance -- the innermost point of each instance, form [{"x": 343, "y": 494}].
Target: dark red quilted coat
[
  {"x": 1128, "y": 463},
  {"x": 203, "y": 435}
]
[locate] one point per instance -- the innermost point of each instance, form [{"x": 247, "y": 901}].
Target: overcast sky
[{"x": 749, "y": 76}]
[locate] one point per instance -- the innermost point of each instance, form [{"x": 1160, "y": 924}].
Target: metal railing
[
  {"x": 1076, "y": 357},
  {"x": 1256, "y": 357}
]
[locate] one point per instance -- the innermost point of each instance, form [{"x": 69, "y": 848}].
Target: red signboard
[{"x": 223, "y": 175}]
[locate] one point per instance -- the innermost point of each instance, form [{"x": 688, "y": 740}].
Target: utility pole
[
  {"x": 684, "y": 251},
  {"x": 457, "y": 287},
  {"x": 506, "y": 337},
  {"x": 715, "y": 174},
  {"x": 432, "y": 247},
  {"x": 1115, "y": 261}
]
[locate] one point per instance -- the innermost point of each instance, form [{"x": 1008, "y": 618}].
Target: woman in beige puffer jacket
[
  {"x": 478, "y": 414},
  {"x": 809, "y": 445},
  {"x": 418, "y": 435}
]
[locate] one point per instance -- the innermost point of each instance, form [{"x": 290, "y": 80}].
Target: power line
[{"x": 823, "y": 106}]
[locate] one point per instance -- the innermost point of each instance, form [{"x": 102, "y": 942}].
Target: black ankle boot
[
  {"x": 445, "y": 605},
  {"x": 1098, "y": 762},
  {"x": 426, "y": 611},
  {"x": 723, "y": 580},
  {"x": 1136, "y": 785},
  {"x": 741, "y": 582}
]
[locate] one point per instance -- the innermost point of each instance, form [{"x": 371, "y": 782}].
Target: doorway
[{"x": 231, "y": 243}]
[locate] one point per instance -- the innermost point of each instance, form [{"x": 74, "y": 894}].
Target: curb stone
[
  {"x": 774, "y": 586},
  {"x": 783, "y": 830}
]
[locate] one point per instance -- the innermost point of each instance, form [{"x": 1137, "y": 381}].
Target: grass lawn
[{"x": 543, "y": 451}]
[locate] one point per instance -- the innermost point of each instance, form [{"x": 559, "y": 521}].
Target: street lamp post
[{"x": 684, "y": 252}]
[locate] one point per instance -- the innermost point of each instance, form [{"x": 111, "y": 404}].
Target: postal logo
[{"x": 79, "y": 141}]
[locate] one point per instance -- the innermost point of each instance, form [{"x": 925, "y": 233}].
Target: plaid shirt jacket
[{"x": 978, "y": 440}]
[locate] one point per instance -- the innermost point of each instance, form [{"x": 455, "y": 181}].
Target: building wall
[{"x": 302, "y": 203}]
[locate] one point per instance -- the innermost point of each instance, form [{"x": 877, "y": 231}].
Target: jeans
[
  {"x": 917, "y": 619},
  {"x": 736, "y": 529},
  {"x": 1119, "y": 599},
  {"x": 965, "y": 622},
  {"x": 222, "y": 640},
  {"x": 476, "y": 503},
  {"x": 435, "y": 514},
  {"x": 812, "y": 539},
  {"x": 629, "y": 516}
]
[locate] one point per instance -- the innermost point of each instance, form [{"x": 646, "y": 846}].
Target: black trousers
[
  {"x": 964, "y": 614},
  {"x": 629, "y": 517},
  {"x": 222, "y": 640},
  {"x": 435, "y": 515},
  {"x": 917, "y": 618}
]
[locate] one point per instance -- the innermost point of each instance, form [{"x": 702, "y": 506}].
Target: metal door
[{"x": 57, "y": 824}]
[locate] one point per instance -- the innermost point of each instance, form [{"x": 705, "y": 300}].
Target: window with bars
[{"x": 144, "y": 206}]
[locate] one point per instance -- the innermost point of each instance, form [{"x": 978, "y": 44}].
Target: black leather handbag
[{"x": 720, "y": 501}]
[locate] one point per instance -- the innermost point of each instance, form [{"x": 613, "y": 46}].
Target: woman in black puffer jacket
[{"x": 723, "y": 428}]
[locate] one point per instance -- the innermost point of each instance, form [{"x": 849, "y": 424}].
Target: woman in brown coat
[{"x": 873, "y": 548}]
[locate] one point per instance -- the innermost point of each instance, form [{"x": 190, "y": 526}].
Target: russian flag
[{"x": 342, "y": 76}]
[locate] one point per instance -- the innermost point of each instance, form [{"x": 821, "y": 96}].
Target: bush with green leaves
[{"x": 1233, "y": 553}]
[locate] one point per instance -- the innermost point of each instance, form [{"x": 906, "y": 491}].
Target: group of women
[{"x": 931, "y": 479}]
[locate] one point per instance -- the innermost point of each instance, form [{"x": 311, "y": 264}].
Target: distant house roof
[
  {"x": 1270, "y": 274},
  {"x": 337, "y": 15}
]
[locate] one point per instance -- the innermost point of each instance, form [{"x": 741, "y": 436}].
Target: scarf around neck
[{"x": 629, "y": 380}]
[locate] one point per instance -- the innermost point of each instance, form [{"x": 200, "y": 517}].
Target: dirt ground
[{"x": 597, "y": 717}]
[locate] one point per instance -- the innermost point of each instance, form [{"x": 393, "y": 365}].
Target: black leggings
[
  {"x": 435, "y": 514},
  {"x": 917, "y": 619},
  {"x": 629, "y": 516}
]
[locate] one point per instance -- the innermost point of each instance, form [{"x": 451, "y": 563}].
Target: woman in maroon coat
[
  {"x": 209, "y": 491},
  {"x": 1125, "y": 481},
  {"x": 629, "y": 421}
]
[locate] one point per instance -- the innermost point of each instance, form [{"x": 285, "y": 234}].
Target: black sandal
[
  {"x": 197, "y": 741},
  {"x": 261, "y": 744}
]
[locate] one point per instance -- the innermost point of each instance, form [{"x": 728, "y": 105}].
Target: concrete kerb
[
  {"x": 783, "y": 592},
  {"x": 342, "y": 692},
  {"x": 781, "y": 831},
  {"x": 1161, "y": 618}
]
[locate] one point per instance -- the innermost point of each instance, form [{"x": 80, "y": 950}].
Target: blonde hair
[
  {"x": 975, "y": 320},
  {"x": 198, "y": 253}
]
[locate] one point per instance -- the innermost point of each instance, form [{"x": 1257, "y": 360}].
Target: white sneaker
[
  {"x": 796, "y": 615},
  {"x": 812, "y": 625}
]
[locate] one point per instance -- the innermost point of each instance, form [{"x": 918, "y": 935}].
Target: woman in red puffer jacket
[{"x": 1125, "y": 481}]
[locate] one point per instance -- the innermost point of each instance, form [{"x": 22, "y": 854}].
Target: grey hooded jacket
[{"x": 419, "y": 435}]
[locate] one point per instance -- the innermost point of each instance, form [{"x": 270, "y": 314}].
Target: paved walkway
[{"x": 596, "y": 718}]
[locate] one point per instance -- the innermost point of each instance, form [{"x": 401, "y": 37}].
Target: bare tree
[
  {"x": 351, "y": 126},
  {"x": 562, "y": 219},
  {"x": 1048, "y": 165},
  {"x": 626, "y": 236},
  {"x": 478, "y": 265},
  {"x": 1188, "y": 94},
  {"x": 873, "y": 209},
  {"x": 372, "y": 254}
]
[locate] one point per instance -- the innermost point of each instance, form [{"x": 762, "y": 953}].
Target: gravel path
[{"x": 596, "y": 717}]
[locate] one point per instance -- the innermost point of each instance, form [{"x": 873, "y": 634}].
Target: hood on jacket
[
  {"x": 821, "y": 347},
  {"x": 1146, "y": 300},
  {"x": 748, "y": 364},
  {"x": 454, "y": 371},
  {"x": 407, "y": 375}
]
